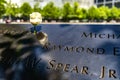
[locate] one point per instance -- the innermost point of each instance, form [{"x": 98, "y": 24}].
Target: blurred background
[{"x": 61, "y": 10}]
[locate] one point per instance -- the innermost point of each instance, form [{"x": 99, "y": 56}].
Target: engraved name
[
  {"x": 80, "y": 49},
  {"x": 84, "y": 70},
  {"x": 100, "y": 35}
]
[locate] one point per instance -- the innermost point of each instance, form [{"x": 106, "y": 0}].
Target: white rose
[{"x": 35, "y": 18}]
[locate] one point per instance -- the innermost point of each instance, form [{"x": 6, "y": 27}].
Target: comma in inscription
[{"x": 84, "y": 70}]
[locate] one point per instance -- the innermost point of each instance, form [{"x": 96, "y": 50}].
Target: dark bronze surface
[{"x": 73, "y": 52}]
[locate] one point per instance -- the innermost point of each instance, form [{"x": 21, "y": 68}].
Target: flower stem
[{"x": 35, "y": 32}]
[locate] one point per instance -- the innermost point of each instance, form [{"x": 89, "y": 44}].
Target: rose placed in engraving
[{"x": 35, "y": 18}]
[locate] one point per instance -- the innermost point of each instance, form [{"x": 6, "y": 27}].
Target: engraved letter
[
  {"x": 100, "y": 51},
  {"x": 86, "y": 35},
  {"x": 59, "y": 66},
  {"x": 52, "y": 64},
  {"x": 79, "y": 49},
  {"x": 102, "y": 75},
  {"x": 66, "y": 67},
  {"x": 112, "y": 74},
  {"x": 101, "y": 36},
  {"x": 84, "y": 70},
  {"x": 111, "y": 36},
  {"x": 69, "y": 49},
  {"x": 75, "y": 69},
  {"x": 116, "y": 51}
]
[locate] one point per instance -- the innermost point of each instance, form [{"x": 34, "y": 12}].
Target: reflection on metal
[{"x": 21, "y": 56}]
